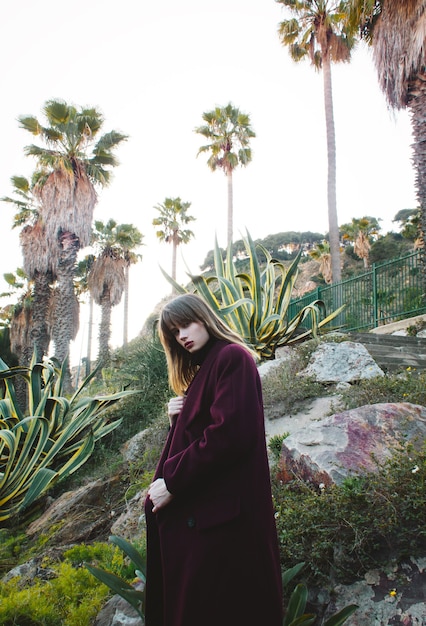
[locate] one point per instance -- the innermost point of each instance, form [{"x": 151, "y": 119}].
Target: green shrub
[
  {"x": 71, "y": 596},
  {"x": 141, "y": 365},
  {"x": 407, "y": 386},
  {"x": 348, "y": 529}
]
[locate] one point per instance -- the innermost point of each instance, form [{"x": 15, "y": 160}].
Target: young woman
[{"x": 212, "y": 550}]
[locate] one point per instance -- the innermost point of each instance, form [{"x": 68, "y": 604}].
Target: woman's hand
[
  {"x": 159, "y": 494},
  {"x": 174, "y": 407}
]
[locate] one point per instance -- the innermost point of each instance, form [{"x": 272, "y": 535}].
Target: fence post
[{"x": 375, "y": 300}]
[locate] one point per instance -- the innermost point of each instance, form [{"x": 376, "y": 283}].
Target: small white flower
[
  {"x": 415, "y": 469},
  {"x": 321, "y": 486}
]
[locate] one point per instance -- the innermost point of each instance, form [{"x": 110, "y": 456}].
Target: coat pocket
[{"x": 215, "y": 513}]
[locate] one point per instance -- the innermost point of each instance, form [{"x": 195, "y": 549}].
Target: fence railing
[{"x": 384, "y": 293}]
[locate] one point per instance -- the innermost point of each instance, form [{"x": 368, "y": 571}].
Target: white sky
[{"x": 153, "y": 68}]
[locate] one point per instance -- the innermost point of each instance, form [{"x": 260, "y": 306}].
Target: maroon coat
[{"x": 212, "y": 553}]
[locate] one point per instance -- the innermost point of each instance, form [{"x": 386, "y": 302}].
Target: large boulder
[
  {"x": 81, "y": 515},
  {"x": 346, "y": 362},
  {"x": 333, "y": 447}
]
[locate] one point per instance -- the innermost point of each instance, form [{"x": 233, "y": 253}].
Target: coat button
[{"x": 190, "y": 522}]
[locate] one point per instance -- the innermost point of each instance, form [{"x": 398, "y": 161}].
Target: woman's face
[{"x": 192, "y": 337}]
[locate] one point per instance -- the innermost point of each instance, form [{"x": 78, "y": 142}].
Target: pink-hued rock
[{"x": 332, "y": 448}]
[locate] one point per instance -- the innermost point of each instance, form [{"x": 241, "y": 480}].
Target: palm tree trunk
[
  {"x": 417, "y": 107},
  {"x": 174, "y": 255},
  {"x": 230, "y": 207},
  {"x": 126, "y": 306},
  {"x": 333, "y": 226},
  {"x": 66, "y": 305},
  {"x": 89, "y": 337},
  {"x": 40, "y": 332},
  {"x": 104, "y": 333}
]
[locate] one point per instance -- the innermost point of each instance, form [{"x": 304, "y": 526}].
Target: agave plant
[
  {"x": 55, "y": 438},
  {"x": 295, "y": 613},
  {"x": 134, "y": 596},
  {"x": 255, "y": 304}
]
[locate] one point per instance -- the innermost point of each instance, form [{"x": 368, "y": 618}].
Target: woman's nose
[{"x": 182, "y": 333}]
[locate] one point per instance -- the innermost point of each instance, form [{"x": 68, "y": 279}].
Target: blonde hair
[{"x": 182, "y": 311}]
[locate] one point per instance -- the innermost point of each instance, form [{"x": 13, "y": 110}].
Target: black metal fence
[{"x": 386, "y": 292}]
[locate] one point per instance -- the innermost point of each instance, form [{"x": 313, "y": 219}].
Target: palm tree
[
  {"x": 173, "y": 217},
  {"x": 107, "y": 277},
  {"x": 229, "y": 132},
  {"x": 129, "y": 238},
  {"x": 409, "y": 220},
  {"x": 321, "y": 253},
  {"x": 319, "y": 30},
  {"x": 18, "y": 322},
  {"x": 397, "y": 31},
  {"x": 361, "y": 231},
  {"x": 72, "y": 163},
  {"x": 39, "y": 261},
  {"x": 81, "y": 282}
]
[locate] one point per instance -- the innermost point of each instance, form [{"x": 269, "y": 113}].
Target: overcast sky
[{"x": 153, "y": 68}]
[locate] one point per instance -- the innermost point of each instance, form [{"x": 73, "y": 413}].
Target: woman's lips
[{"x": 189, "y": 345}]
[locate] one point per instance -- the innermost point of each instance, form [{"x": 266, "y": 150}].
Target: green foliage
[
  {"x": 255, "y": 304},
  {"x": 51, "y": 442},
  {"x": 275, "y": 444},
  {"x": 346, "y": 529},
  {"x": 284, "y": 390},
  {"x": 134, "y": 597},
  {"x": 69, "y": 596},
  {"x": 391, "y": 246},
  {"x": 407, "y": 386},
  {"x": 141, "y": 365},
  {"x": 275, "y": 244},
  {"x": 11, "y": 546}
]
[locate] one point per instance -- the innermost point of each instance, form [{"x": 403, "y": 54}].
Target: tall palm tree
[
  {"x": 229, "y": 132},
  {"x": 107, "y": 277},
  {"x": 397, "y": 31},
  {"x": 17, "y": 320},
  {"x": 39, "y": 261},
  {"x": 170, "y": 222},
  {"x": 73, "y": 162},
  {"x": 81, "y": 281},
  {"x": 318, "y": 29},
  {"x": 129, "y": 238},
  {"x": 361, "y": 231}
]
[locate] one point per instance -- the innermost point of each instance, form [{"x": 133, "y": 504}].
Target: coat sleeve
[{"x": 235, "y": 422}]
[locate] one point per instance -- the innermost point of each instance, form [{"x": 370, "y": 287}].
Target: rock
[
  {"x": 333, "y": 447},
  {"x": 395, "y": 595},
  {"x": 134, "y": 449},
  {"x": 81, "y": 515},
  {"x": 421, "y": 334},
  {"x": 282, "y": 354},
  {"x": 345, "y": 362},
  {"x": 131, "y": 522},
  {"x": 118, "y": 612}
]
